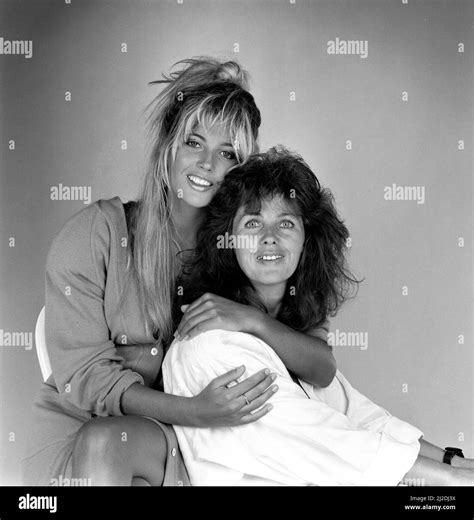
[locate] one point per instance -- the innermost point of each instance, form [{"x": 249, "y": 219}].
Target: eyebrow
[
  {"x": 204, "y": 139},
  {"x": 257, "y": 213}
]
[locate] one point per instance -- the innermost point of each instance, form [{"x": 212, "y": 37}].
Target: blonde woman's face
[{"x": 200, "y": 165}]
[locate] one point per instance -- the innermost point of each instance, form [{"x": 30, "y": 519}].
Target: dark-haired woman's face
[
  {"x": 200, "y": 165},
  {"x": 275, "y": 237}
]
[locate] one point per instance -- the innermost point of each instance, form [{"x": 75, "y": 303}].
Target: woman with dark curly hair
[{"x": 272, "y": 239}]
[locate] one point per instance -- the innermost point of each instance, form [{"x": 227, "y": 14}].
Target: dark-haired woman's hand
[
  {"x": 210, "y": 312},
  {"x": 225, "y": 402}
]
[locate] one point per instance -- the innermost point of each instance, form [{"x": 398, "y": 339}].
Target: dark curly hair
[{"x": 321, "y": 281}]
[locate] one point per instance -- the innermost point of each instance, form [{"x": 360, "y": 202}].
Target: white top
[{"x": 335, "y": 437}]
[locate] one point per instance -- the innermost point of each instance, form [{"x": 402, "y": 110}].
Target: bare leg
[
  {"x": 138, "y": 481},
  {"x": 120, "y": 451},
  {"x": 428, "y": 472}
]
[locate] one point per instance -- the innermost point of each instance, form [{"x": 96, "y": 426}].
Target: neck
[
  {"x": 271, "y": 296},
  {"x": 186, "y": 220}
]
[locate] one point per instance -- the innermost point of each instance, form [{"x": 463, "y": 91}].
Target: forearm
[
  {"x": 309, "y": 358},
  {"x": 435, "y": 453},
  {"x": 431, "y": 451},
  {"x": 142, "y": 400}
]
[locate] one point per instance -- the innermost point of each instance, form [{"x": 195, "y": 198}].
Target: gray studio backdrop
[{"x": 375, "y": 95}]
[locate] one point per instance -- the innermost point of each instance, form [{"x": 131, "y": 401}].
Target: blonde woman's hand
[{"x": 226, "y": 402}]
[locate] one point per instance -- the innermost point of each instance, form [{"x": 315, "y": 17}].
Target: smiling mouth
[
  {"x": 269, "y": 258},
  {"x": 199, "y": 183}
]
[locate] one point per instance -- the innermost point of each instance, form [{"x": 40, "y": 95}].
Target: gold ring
[{"x": 246, "y": 400}]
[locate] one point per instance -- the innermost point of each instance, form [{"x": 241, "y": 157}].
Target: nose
[
  {"x": 205, "y": 160},
  {"x": 268, "y": 236}
]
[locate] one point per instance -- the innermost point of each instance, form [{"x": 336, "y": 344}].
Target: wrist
[
  {"x": 190, "y": 412},
  {"x": 256, "y": 323},
  {"x": 458, "y": 462},
  {"x": 450, "y": 453}
]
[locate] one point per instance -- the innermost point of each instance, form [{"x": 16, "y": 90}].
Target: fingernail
[
  {"x": 186, "y": 337},
  {"x": 273, "y": 377},
  {"x": 267, "y": 371},
  {"x": 275, "y": 388},
  {"x": 270, "y": 407}
]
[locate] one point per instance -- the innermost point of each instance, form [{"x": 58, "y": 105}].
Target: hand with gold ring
[{"x": 221, "y": 404}]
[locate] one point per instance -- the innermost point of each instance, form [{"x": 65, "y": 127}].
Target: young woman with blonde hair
[{"x": 102, "y": 416}]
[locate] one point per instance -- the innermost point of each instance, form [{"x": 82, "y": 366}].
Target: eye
[
  {"x": 288, "y": 224},
  {"x": 230, "y": 156},
  {"x": 252, "y": 224},
  {"x": 192, "y": 143}
]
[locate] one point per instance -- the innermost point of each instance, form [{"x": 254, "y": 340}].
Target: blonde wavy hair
[{"x": 201, "y": 91}]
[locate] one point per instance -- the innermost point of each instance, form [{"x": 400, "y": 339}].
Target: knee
[{"x": 97, "y": 439}]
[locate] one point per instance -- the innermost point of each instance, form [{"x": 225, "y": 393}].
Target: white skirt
[{"x": 336, "y": 437}]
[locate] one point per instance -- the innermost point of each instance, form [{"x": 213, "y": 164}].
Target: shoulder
[
  {"x": 88, "y": 232},
  {"x": 102, "y": 211}
]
